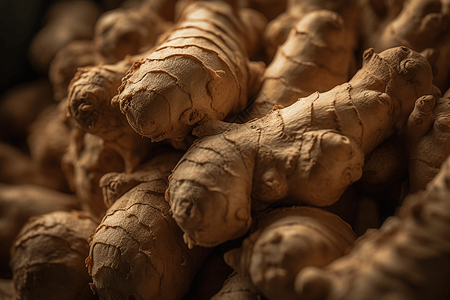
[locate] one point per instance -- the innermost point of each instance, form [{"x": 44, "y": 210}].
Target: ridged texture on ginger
[
  {"x": 48, "y": 257},
  {"x": 137, "y": 252},
  {"x": 278, "y": 29},
  {"x": 310, "y": 151},
  {"x": 200, "y": 71},
  {"x": 427, "y": 135},
  {"x": 285, "y": 241},
  {"x": 316, "y": 56},
  {"x": 407, "y": 258},
  {"x": 19, "y": 202},
  {"x": 89, "y": 103},
  {"x": 86, "y": 160}
]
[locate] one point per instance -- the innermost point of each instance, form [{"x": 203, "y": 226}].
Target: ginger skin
[
  {"x": 200, "y": 71},
  {"x": 316, "y": 56},
  {"x": 310, "y": 151},
  {"x": 47, "y": 257},
  {"x": 407, "y": 258},
  {"x": 137, "y": 251},
  {"x": 285, "y": 241}
]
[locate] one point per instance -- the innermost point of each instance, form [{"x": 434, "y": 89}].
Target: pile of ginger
[{"x": 230, "y": 149}]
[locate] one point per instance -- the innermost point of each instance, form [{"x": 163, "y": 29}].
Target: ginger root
[
  {"x": 310, "y": 151},
  {"x": 237, "y": 287},
  {"x": 407, "y": 258},
  {"x": 316, "y": 56},
  {"x": 47, "y": 257},
  {"x": 137, "y": 251},
  {"x": 285, "y": 241},
  {"x": 200, "y": 71},
  {"x": 20, "y": 202}
]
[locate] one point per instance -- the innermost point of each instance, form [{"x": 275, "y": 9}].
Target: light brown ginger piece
[
  {"x": 310, "y": 151},
  {"x": 115, "y": 184},
  {"x": 47, "y": 257},
  {"x": 284, "y": 241},
  {"x": 130, "y": 31},
  {"x": 20, "y": 202},
  {"x": 427, "y": 136},
  {"x": 316, "y": 56},
  {"x": 66, "y": 21},
  {"x": 200, "y": 71},
  {"x": 407, "y": 258},
  {"x": 421, "y": 25},
  {"x": 76, "y": 54},
  {"x": 237, "y": 287},
  {"x": 137, "y": 251},
  {"x": 89, "y": 104},
  {"x": 278, "y": 29},
  {"x": 86, "y": 160}
]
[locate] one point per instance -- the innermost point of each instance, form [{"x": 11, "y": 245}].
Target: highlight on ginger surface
[
  {"x": 18, "y": 203},
  {"x": 278, "y": 29},
  {"x": 47, "y": 258},
  {"x": 66, "y": 21},
  {"x": 407, "y": 258},
  {"x": 200, "y": 71},
  {"x": 286, "y": 240},
  {"x": 137, "y": 251},
  {"x": 316, "y": 56},
  {"x": 310, "y": 151}
]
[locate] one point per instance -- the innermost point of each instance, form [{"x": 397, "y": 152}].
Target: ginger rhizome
[
  {"x": 285, "y": 241},
  {"x": 86, "y": 160},
  {"x": 19, "y": 202},
  {"x": 311, "y": 151},
  {"x": 407, "y": 258},
  {"x": 200, "y": 71},
  {"x": 316, "y": 56},
  {"x": 427, "y": 135},
  {"x": 47, "y": 257},
  {"x": 237, "y": 287},
  {"x": 421, "y": 25},
  {"x": 130, "y": 31},
  {"x": 89, "y": 101},
  {"x": 137, "y": 251},
  {"x": 278, "y": 29}
]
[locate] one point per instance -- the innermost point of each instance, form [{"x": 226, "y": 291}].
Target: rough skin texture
[
  {"x": 20, "y": 202},
  {"x": 421, "y": 25},
  {"x": 311, "y": 151},
  {"x": 128, "y": 31},
  {"x": 407, "y": 258},
  {"x": 137, "y": 252},
  {"x": 278, "y": 29},
  {"x": 427, "y": 135},
  {"x": 89, "y": 103},
  {"x": 47, "y": 257},
  {"x": 285, "y": 241},
  {"x": 84, "y": 163},
  {"x": 200, "y": 71},
  {"x": 316, "y": 56}
]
